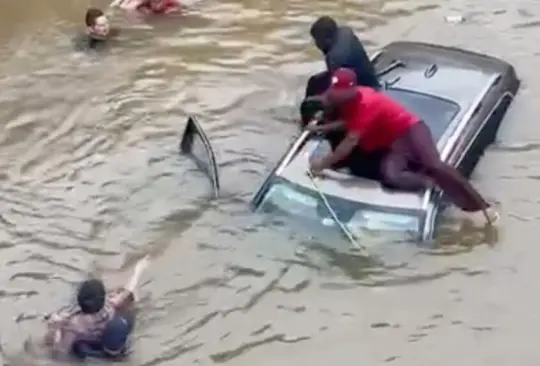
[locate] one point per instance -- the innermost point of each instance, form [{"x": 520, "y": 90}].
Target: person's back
[
  {"x": 387, "y": 108},
  {"x": 113, "y": 343},
  {"x": 348, "y": 52},
  {"x": 85, "y": 320},
  {"x": 377, "y": 117}
]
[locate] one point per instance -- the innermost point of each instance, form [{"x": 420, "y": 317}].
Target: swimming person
[
  {"x": 98, "y": 31},
  {"x": 375, "y": 122},
  {"x": 149, "y": 6},
  {"x": 86, "y": 320},
  {"x": 113, "y": 344},
  {"x": 341, "y": 48}
]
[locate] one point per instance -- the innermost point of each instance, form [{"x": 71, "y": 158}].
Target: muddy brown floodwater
[{"x": 91, "y": 178}]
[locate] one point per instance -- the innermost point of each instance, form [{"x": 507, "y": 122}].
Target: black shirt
[{"x": 349, "y": 52}]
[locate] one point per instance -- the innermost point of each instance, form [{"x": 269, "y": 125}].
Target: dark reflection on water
[{"x": 91, "y": 179}]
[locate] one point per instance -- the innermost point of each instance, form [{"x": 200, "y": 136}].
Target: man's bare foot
[{"x": 488, "y": 216}]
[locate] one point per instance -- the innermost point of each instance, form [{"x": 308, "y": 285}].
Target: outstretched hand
[
  {"x": 137, "y": 273},
  {"x": 142, "y": 264}
]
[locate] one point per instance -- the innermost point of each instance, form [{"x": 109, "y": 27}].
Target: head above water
[
  {"x": 324, "y": 32},
  {"x": 91, "y": 296},
  {"x": 343, "y": 87},
  {"x": 97, "y": 24}
]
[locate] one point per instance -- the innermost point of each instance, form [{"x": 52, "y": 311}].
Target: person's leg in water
[{"x": 417, "y": 146}]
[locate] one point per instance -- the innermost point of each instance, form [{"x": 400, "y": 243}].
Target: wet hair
[
  {"x": 324, "y": 27},
  {"x": 91, "y": 296},
  {"x": 91, "y": 15}
]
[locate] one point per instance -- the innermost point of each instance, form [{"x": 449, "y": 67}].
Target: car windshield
[{"x": 288, "y": 198}]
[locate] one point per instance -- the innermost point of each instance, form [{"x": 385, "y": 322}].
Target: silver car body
[{"x": 461, "y": 95}]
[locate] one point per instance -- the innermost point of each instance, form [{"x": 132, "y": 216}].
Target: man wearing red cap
[{"x": 376, "y": 122}]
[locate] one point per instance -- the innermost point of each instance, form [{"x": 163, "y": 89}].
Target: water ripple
[{"x": 92, "y": 179}]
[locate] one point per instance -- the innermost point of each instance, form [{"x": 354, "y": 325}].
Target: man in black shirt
[
  {"x": 341, "y": 48},
  {"x": 98, "y": 31}
]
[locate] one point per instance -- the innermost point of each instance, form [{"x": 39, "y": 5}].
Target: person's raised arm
[{"x": 126, "y": 295}]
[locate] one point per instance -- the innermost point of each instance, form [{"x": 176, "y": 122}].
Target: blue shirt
[{"x": 349, "y": 52}]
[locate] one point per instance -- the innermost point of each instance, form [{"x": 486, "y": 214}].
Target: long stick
[
  {"x": 342, "y": 226},
  {"x": 314, "y": 122}
]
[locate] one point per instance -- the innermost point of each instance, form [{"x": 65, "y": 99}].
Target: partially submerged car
[{"x": 461, "y": 95}]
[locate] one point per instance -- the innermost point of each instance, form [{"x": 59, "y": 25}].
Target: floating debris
[{"x": 454, "y": 19}]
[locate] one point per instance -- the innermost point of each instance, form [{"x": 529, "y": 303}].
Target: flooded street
[{"x": 91, "y": 178}]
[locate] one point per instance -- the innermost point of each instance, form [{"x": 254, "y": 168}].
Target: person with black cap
[{"x": 87, "y": 320}]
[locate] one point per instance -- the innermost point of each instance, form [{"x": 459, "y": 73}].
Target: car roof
[{"x": 447, "y": 82}]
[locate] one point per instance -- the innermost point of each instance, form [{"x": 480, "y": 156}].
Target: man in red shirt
[
  {"x": 149, "y": 6},
  {"x": 376, "y": 122}
]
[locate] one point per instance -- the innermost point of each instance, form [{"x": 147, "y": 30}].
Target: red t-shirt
[
  {"x": 166, "y": 6},
  {"x": 378, "y": 118}
]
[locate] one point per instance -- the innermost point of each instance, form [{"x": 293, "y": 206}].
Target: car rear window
[{"x": 436, "y": 112}]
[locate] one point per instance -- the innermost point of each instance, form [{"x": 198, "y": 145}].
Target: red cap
[{"x": 343, "y": 78}]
